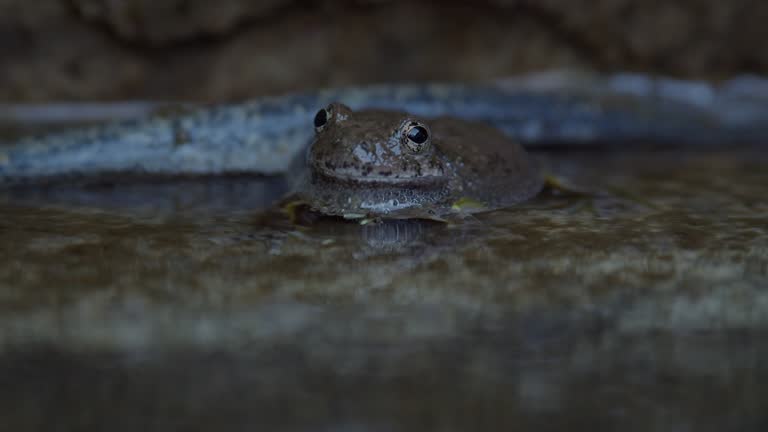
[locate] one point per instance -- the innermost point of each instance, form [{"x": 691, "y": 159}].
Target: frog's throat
[{"x": 330, "y": 176}]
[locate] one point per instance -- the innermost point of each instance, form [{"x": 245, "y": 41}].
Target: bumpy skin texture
[{"x": 362, "y": 164}]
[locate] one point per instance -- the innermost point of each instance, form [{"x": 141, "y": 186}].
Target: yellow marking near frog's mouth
[
  {"x": 291, "y": 207},
  {"x": 464, "y": 204},
  {"x": 562, "y": 185}
]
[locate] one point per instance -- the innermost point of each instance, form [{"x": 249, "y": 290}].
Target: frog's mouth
[
  {"x": 351, "y": 177},
  {"x": 335, "y": 194}
]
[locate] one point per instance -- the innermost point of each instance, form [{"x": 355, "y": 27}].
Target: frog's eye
[
  {"x": 322, "y": 117},
  {"x": 416, "y": 136}
]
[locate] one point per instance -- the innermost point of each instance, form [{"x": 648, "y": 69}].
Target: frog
[
  {"x": 263, "y": 136},
  {"x": 389, "y": 164}
]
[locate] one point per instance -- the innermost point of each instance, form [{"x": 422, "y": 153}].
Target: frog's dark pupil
[
  {"x": 321, "y": 118},
  {"x": 418, "y": 134}
]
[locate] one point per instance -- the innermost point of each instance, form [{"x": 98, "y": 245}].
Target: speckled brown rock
[
  {"x": 169, "y": 20},
  {"x": 684, "y": 37},
  {"x": 47, "y": 53},
  {"x": 231, "y": 49}
]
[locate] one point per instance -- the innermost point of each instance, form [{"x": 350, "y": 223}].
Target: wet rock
[
  {"x": 162, "y": 21},
  {"x": 230, "y": 49}
]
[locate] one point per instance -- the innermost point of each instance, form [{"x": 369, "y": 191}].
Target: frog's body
[{"x": 391, "y": 164}]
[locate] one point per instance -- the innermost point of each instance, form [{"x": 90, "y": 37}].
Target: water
[{"x": 639, "y": 304}]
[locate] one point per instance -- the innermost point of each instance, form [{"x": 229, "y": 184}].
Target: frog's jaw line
[
  {"x": 373, "y": 207},
  {"x": 340, "y": 198},
  {"x": 373, "y": 181}
]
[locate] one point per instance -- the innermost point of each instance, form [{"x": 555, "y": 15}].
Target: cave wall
[{"x": 233, "y": 49}]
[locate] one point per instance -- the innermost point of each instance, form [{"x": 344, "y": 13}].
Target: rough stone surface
[
  {"x": 642, "y": 302},
  {"x": 172, "y": 20},
  {"x": 230, "y": 49}
]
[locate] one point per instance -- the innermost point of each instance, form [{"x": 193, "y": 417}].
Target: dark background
[{"x": 232, "y": 49}]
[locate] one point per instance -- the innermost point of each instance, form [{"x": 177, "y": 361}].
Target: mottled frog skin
[{"x": 378, "y": 163}]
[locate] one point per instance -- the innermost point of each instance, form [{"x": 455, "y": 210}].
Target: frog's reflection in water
[
  {"x": 394, "y": 237},
  {"x": 350, "y": 261},
  {"x": 391, "y": 236}
]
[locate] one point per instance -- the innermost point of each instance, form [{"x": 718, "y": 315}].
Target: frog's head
[{"x": 374, "y": 147}]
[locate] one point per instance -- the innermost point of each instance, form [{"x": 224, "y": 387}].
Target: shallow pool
[{"x": 638, "y": 299}]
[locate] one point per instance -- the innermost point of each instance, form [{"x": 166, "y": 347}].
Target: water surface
[{"x": 641, "y": 304}]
